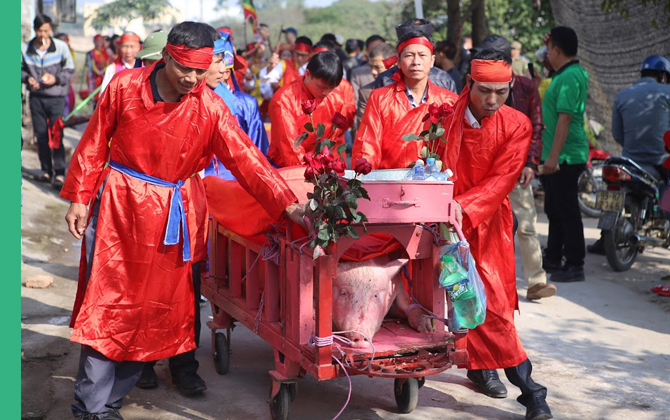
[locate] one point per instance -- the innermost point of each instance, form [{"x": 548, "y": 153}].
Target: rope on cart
[
  {"x": 430, "y": 315},
  {"x": 437, "y": 236},
  {"x": 270, "y": 251},
  {"x": 317, "y": 341}
]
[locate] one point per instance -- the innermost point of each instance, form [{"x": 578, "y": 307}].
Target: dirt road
[{"x": 601, "y": 347}]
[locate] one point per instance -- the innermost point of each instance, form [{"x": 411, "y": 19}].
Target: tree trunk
[
  {"x": 454, "y": 26},
  {"x": 611, "y": 49},
  {"x": 480, "y": 28}
]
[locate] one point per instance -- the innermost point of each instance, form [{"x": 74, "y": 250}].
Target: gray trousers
[{"x": 101, "y": 383}]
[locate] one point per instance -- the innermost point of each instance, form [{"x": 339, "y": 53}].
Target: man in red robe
[
  {"x": 399, "y": 108},
  {"x": 488, "y": 144},
  {"x": 135, "y": 296},
  {"x": 322, "y": 83}
]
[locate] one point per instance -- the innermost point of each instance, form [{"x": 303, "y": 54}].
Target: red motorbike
[{"x": 591, "y": 181}]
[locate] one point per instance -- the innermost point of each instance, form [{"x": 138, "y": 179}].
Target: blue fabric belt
[{"x": 177, "y": 214}]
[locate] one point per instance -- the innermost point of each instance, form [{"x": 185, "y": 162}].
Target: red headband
[
  {"x": 200, "y": 58},
  {"x": 319, "y": 49},
  {"x": 302, "y": 47},
  {"x": 418, "y": 41},
  {"x": 490, "y": 71},
  {"x": 129, "y": 38},
  {"x": 98, "y": 37}
]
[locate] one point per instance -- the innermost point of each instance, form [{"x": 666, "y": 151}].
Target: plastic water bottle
[
  {"x": 419, "y": 174},
  {"x": 431, "y": 167},
  {"x": 461, "y": 291}
]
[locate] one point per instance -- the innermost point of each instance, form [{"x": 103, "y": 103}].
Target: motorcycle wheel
[
  {"x": 620, "y": 254},
  {"x": 589, "y": 183}
]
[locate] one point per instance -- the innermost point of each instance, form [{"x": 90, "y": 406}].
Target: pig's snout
[{"x": 357, "y": 340}]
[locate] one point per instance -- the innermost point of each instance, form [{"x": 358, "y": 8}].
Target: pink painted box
[{"x": 396, "y": 200}]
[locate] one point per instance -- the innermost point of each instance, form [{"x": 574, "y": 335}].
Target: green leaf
[
  {"x": 356, "y": 216},
  {"x": 313, "y": 205},
  {"x": 323, "y": 234},
  {"x": 351, "y": 201},
  {"x": 364, "y": 193},
  {"x": 340, "y": 212},
  {"x": 318, "y": 148},
  {"x": 411, "y": 137},
  {"x": 309, "y": 127},
  {"x": 320, "y": 129},
  {"x": 423, "y": 133},
  {"x": 351, "y": 232},
  {"x": 443, "y": 140},
  {"x": 341, "y": 148},
  {"x": 439, "y": 132},
  {"x": 432, "y": 136}
]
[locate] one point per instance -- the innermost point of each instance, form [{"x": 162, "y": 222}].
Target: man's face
[
  {"x": 515, "y": 53},
  {"x": 467, "y": 43},
  {"x": 260, "y": 50},
  {"x": 300, "y": 57},
  {"x": 265, "y": 32},
  {"x": 182, "y": 79},
  {"x": 286, "y": 55},
  {"x": 290, "y": 37},
  {"x": 487, "y": 98},
  {"x": 128, "y": 50},
  {"x": 377, "y": 66},
  {"x": 317, "y": 87},
  {"x": 99, "y": 43},
  {"x": 215, "y": 71},
  {"x": 226, "y": 75},
  {"x": 553, "y": 53},
  {"x": 415, "y": 62},
  {"x": 42, "y": 33}
]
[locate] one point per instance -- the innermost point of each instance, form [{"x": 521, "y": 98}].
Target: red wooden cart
[{"x": 288, "y": 301}]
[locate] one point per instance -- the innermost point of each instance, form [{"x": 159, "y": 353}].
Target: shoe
[
  {"x": 113, "y": 414},
  {"x": 538, "y": 409},
  {"x": 190, "y": 383},
  {"x": 89, "y": 416},
  {"x": 540, "y": 291},
  {"x": 488, "y": 382},
  {"x": 597, "y": 248},
  {"x": 148, "y": 379},
  {"x": 550, "y": 267},
  {"x": 568, "y": 275},
  {"x": 58, "y": 181}
]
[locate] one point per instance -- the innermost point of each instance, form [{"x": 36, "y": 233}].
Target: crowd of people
[{"x": 187, "y": 102}]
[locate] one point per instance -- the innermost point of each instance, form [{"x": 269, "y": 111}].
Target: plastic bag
[{"x": 467, "y": 294}]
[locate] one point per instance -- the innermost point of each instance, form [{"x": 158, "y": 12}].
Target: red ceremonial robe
[
  {"x": 138, "y": 303},
  {"x": 487, "y": 163},
  {"x": 288, "y": 120},
  {"x": 389, "y": 116}
]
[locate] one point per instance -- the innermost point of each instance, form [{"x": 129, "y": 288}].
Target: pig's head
[{"x": 363, "y": 293}]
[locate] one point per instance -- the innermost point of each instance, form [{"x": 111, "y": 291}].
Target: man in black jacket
[{"x": 46, "y": 67}]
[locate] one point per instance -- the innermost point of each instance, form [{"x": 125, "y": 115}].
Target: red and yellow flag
[{"x": 250, "y": 14}]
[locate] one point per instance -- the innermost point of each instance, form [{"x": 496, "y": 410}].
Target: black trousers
[
  {"x": 43, "y": 109},
  {"x": 566, "y": 230}
]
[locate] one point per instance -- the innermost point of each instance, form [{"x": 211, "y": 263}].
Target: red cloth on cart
[
  {"x": 288, "y": 120},
  {"x": 249, "y": 219},
  {"x": 487, "y": 163},
  {"x": 389, "y": 116},
  {"x": 138, "y": 303}
]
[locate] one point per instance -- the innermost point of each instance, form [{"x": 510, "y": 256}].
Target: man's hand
[
  {"x": 296, "y": 212},
  {"x": 527, "y": 175},
  {"x": 76, "y": 219},
  {"x": 550, "y": 166},
  {"x": 33, "y": 83},
  {"x": 458, "y": 214},
  {"x": 48, "y": 79},
  {"x": 419, "y": 320},
  {"x": 545, "y": 38}
]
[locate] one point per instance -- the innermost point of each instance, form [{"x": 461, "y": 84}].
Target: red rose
[
  {"x": 308, "y": 106},
  {"x": 363, "y": 166},
  {"x": 314, "y": 163},
  {"x": 309, "y": 173},
  {"x": 433, "y": 113},
  {"x": 338, "y": 119},
  {"x": 339, "y": 167},
  {"x": 446, "y": 110}
]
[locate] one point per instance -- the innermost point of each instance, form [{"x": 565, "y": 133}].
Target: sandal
[
  {"x": 58, "y": 182},
  {"x": 44, "y": 177}
]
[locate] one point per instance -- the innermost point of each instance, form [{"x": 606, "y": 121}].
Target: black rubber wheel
[
  {"x": 221, "y": 354},
  {"x": 280, "y": 404},
  {"x": 620, "y": 254},
  {"x": 406, "y": 395}
]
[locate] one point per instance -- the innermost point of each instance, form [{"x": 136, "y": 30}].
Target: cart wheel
[
  {"x": 280, "y": 404},
  {"x": 422, "y": 382},
  {"x": 221, "y": 354},
  {"x": 406, "y": 394}
]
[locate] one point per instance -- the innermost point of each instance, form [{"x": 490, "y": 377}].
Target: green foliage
[
  {"x": 517, "y": 20},
  {"x": 128, "y": 9}
]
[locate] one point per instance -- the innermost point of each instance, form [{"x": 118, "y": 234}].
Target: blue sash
[{"x": 177, "y": 214}]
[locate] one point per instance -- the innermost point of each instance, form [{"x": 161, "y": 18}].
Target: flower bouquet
[{"x": 435, "y": 133}]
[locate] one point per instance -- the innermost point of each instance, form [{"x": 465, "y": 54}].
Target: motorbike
[
  {"x": 630, "y": 218},
  {"x": 591, "y": 182}
]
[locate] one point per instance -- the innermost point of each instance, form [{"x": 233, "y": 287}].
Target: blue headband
[{"x": 219, "y": 46}]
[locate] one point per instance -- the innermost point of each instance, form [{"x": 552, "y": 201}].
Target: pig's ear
[{"x": 394, "y": 266}]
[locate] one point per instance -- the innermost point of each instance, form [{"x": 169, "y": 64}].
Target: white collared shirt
[
  {"x": 110, "y": 71},
  {"x": 470, "y": 119}
]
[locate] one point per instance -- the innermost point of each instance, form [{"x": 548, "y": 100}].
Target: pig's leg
[{"x": 417, "y": 317}]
